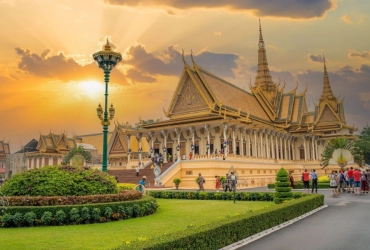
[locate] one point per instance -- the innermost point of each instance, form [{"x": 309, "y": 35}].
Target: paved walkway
[{"x": 344, "y": 224}]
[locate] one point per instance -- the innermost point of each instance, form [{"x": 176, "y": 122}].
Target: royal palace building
[{"x": 215, "y": 125}]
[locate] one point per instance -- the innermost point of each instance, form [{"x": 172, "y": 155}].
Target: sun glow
[{"x": 92, "y": 89}]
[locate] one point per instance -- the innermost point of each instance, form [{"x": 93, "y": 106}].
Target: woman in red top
[
  {"x": 218, "y": 183},
  {"x": 306, "y": 180}
]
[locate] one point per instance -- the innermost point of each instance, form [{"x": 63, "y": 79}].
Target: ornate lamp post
[{"x": 106, "y": 60}]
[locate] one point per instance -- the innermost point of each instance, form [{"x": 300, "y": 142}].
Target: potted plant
[{"x": 177, "y": 181}]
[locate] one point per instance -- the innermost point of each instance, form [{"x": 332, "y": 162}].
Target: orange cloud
[{"x": 346, "y": 19}]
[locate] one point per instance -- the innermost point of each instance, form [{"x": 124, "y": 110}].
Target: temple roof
[{"x": 55, "y": 143}]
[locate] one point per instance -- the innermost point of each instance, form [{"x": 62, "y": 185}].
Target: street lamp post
[{"x": 106, "y": 60}]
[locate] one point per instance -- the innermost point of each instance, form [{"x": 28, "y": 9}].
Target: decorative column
[
  {"x": 267, "y": 144},
  {"x": 225, "y": 139},
  {"x": 151, "y": 138},
  {"x": 316, "y": 147},
  {"x": 255, "y": 143},
  {"x": 138, "y": 137},
  {"x": 277, "y": 145},
  {"x": 281, "y": 146},
  {"x": 289, "y": 156},
  {"x": 241, "y": 144},
  {"x": 178, "y": 146},
  {"x": 249, "y": 142},
  {"x": 127, "y": 137},
  {"x": 164, "y": 133},
  {"x": 313, "y": 148},
  {"x": 234, "y": 128},
  {"x": 304, "y": 146},
  {"x": 272, "y": 134},
  {"x": 285, "y": 151},
  {"x": 192, "y": 131}
]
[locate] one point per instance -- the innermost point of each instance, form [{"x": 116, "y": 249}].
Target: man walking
[
  {"x": 201, "y": 182},
  {"x": 314, "y": 180},
  {"x": 227, "y": 183}
]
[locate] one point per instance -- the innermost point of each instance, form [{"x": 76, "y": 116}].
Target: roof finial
[
  {"x": 107, "y": 46},
  {"x": 192, "y": 59},
  {"x": 183, "y": 59},
  {"x": 323, "y": 56}
]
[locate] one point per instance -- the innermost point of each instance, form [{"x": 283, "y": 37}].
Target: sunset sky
[{"x": 49, "y": 81}]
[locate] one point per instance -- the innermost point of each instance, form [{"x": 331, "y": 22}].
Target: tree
[
  {"x": 340, "y": 149},
  {"x": 283, "y": 191},
  {"x": 364, "y": 143}
]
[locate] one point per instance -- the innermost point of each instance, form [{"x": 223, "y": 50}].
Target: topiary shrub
[
  {"x": 74, "y": 215},
  {"x": 60, "y": 217},
  {"x": 108, "y": 213},
  {"x": 283, "y": 191},
  {"x": 95, "y": 214},
  {"x": 7, "y": 220},
  {"x": 29, "y": 218},
  {"x": 60, "y": 181},
  {"x": 85, "y": 214},
  {"x": 47, "y": 218}
]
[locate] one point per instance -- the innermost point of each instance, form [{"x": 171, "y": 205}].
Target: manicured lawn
[{"x": 172, "y": 215}]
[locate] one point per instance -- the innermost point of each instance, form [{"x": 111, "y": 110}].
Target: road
[{"x": 344, "y": 224}]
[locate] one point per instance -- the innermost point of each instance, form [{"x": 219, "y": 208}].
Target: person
[
  {"x": 175, "y": 157},
  {"x": 346, "y": 181},
  {"x": 368, "y": 177},
  {"x": 233, "y": 181},
  {"x": 227, "y": 185},
  {"x": 364, "y": 182},
  {"x": 314, "y": 180},
  {"x": 350, "y": 180},
  {"x": 333, "y": 183},
  {"x": 137, "y": 170},
  {"x": 183, "y": 157},
  {"x": 142, "y": 183},
  {"x": 169, "y": 157},
  {"x": 201, "y": 182},
  {"x": 116, "y": 177},
  {"x": 218, "y": 183},
  {"x": 357, "y": 181},
  {"x": 291, "y": 179},
  {"x": 306, "y": 180},
  {"x": 223, "y": 157},
  {"x": 342, "y": 180},
  {"x": 190, "y": 155}
]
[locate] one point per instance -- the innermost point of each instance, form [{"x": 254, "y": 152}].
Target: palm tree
[{"x": 341, "y": 149}]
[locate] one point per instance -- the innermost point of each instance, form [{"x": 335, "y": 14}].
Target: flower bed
[
  {"x": 76, "y": 214},
  {"x": 221, "y": 233},
  {"x": 72, "y": 200},
  {"x": 299, "y": 185},
  {"x": 245, "y": 196}
]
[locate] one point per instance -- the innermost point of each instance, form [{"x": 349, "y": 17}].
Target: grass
[{"x": 171, "y": 216}]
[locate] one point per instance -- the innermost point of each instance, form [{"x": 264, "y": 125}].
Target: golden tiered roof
[{"x": 54, "y": 143}]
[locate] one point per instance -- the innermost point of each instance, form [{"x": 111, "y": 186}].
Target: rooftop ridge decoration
[{"x": 327, "y": 93}]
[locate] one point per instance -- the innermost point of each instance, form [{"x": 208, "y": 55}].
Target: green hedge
[
  {"x": 299, "y": 185},
  {"x": 243, "y": 196},
  {"x": 77, "y": 214},
  {"x": 219, "y": 234}
]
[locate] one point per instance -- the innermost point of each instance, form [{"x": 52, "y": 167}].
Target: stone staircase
[{"x": 129, "y": 175}]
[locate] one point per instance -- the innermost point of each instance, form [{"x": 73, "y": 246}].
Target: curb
[{"x": 259, "y": 235}]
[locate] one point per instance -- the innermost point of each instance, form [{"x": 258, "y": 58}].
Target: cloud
[
  {"x": 61, "y": 67},
  {"x": 217, "y": 33},
  {"x": 296, "y": 9},
  {"x": 346, "y": 19},
  {"x": 363, "y": 54},
  {"x": 146, "y": 66},
  {"x": 316, "y": 58}
]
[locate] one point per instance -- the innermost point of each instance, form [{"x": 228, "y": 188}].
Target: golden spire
[
  {"x": 183, "y": 59},
  {"x": 261, "y": 44},
  {"x": 327, "y": 93}
]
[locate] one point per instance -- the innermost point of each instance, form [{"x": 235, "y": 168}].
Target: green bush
[
  {"x": 59, "y": 181},
  {"x": 224, "y": 232},
  {"x": 47, "y": 218},
  {"x": 95, "y": 214},
  {"x": 299, "y": 185},
  {"x": 60, "y": 217},
  {"x": 125, "y": 186},
  {"x": 74, "y": 215},
  {"x": 29, "y": 218},
  {"x": 283, "y": 191},
  {"x": 85, "y": 214},
  {"x": 108, "y": 212},
  {"x": 7, "y": 220}
]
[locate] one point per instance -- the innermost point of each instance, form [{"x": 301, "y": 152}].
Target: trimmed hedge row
[
  {"x": 77, "y": 214},
  {"x": 127, "y": 195},
  {"x": 219, "y": 234},
  {"x": 244, "y": 196},
  {"x": 299, "y": 185}
]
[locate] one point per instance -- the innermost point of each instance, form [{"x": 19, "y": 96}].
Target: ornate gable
[
  {"x": 189, "y": 99},
  {"x": 327, "y": 116}
]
